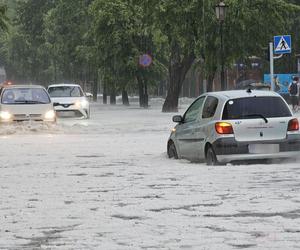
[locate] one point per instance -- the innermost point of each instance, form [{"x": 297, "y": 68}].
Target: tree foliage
[{"x": 122, "y": 35}]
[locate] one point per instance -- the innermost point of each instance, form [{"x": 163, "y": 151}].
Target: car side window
[
  {"x": 194, "y": 110},
  {"x": 210, "y": 107}
]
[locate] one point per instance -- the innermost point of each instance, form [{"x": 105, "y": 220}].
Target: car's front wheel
[
  {"x": 172, "y": 152},
  {"x": 211, "y": 159},
  {"x": 88, "y": 114}
]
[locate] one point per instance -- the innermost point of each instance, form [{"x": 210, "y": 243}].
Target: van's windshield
[{"x": 25, "y": 96}]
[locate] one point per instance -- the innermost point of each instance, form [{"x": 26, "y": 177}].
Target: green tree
[
  {"x": 3, "y": 18},
  {"x": 122, "y": 35},
  {"x": 4, "y": 26},
  {"x": 70, "y": 44},
  {"x": 192, "y": 32},
  {"x": 22, "y": 48},
  {"x": 178, "y": 21}
]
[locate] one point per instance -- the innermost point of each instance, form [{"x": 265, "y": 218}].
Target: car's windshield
[
  {"x": 255, "y": 107},
  {"x": 25, "y": 96},
  {"x": 65, "y": 91}
]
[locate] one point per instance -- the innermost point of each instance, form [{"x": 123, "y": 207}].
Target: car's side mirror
[
  {"x": 87, "y": 94},
  {"x": 177, "y": 118},
  {"x": 56, "y": 104}
]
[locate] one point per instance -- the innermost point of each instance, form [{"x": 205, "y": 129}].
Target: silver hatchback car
[{"x": 237, "y": 125}]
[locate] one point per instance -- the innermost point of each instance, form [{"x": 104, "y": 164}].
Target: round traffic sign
[{"x": 145, "y": 60}]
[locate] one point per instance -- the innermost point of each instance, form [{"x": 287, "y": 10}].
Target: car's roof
[
  {"x": 233, "y": 94},
  {"x": 22, "y": 86},
  {"x": 64, "y": 84}
]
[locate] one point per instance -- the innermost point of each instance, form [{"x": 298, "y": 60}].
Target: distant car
[
  {"x": 252, "y": 84},
  {"x": 237, "y": 125},
  {"x": 69, "y": 100},
  {"x": 25, "y": 103}
]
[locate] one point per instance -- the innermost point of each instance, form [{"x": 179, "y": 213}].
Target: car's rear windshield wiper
[
  {"x": 29, "y": 102},
  {"x": 257, "y": 115}
]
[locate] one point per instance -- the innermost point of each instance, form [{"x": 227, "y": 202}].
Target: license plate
[{"x": 263, "y": 148}]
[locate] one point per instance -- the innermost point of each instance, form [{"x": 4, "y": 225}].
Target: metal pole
[
  {"x": 223, "y": 83},
  {"x": 272, "y": 67}
]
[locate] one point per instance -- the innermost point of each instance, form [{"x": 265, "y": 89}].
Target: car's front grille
[
  {"x": 20, "y": 116},
  {"x": 69, "y": 113},
  {"x": 35, "y": 115},
  {"x": 25, "y": 117}
]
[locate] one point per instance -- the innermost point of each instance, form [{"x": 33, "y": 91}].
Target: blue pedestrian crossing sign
[{"x": 282, "y": 44}]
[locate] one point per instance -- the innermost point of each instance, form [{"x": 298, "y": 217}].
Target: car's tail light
[
  {"x": 293, "y": 125},
  {"x": 224, "y": 128}
]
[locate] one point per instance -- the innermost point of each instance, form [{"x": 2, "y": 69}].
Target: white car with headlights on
[
  {"x": 69, "y": 100},
  {"x": 237, "y": 125},
  {"x": 25, "y": 103}
]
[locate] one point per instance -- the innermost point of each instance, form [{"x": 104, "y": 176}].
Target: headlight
[
  {"x": 50, "y": 115},
  {"x": 5, "y": 116},
  {"x": 81, "y": 104},
  {"x": 78, "y": 104},
  {"x": 84, "y": 103}
]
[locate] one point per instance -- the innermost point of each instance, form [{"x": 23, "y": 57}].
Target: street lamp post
[{"x": 221, "y": 14}]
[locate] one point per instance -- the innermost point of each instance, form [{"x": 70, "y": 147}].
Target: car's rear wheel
[
  {"x": 211, "y": 159},
  {"x": 172, "y": 152}
]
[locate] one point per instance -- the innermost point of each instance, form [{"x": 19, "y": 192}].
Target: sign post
[
  {"x": 282, "y": 45},
  {"x": 272, "y": 67}
]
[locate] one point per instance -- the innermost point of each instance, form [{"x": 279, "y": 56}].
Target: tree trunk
[
  {"x": 146, "y": 104},
  {"x": 112, "y": 97},
  {"x": 177, "y": 72},
  {"x": 210, "y": 80},
  {"x": 125, "y": 98},
  {"x": 143, "y": 92},
  {"x": 95, "y": 89},
  {"x": 105, "y": 93},
  {"x": 55, "y": 71},
  {"x": 140, "y": 86}
]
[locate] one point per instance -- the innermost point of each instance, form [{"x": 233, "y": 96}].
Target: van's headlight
[
  {"x": 82, "y": 104},
  {"x": 50, "y": 115},
  {"x": 5, "y": 116}
]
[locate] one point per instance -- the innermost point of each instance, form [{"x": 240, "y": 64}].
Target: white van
[{"x": 24, "y": 103}]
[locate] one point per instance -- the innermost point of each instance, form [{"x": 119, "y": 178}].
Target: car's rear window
[{"x": 253, "y": 107}]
